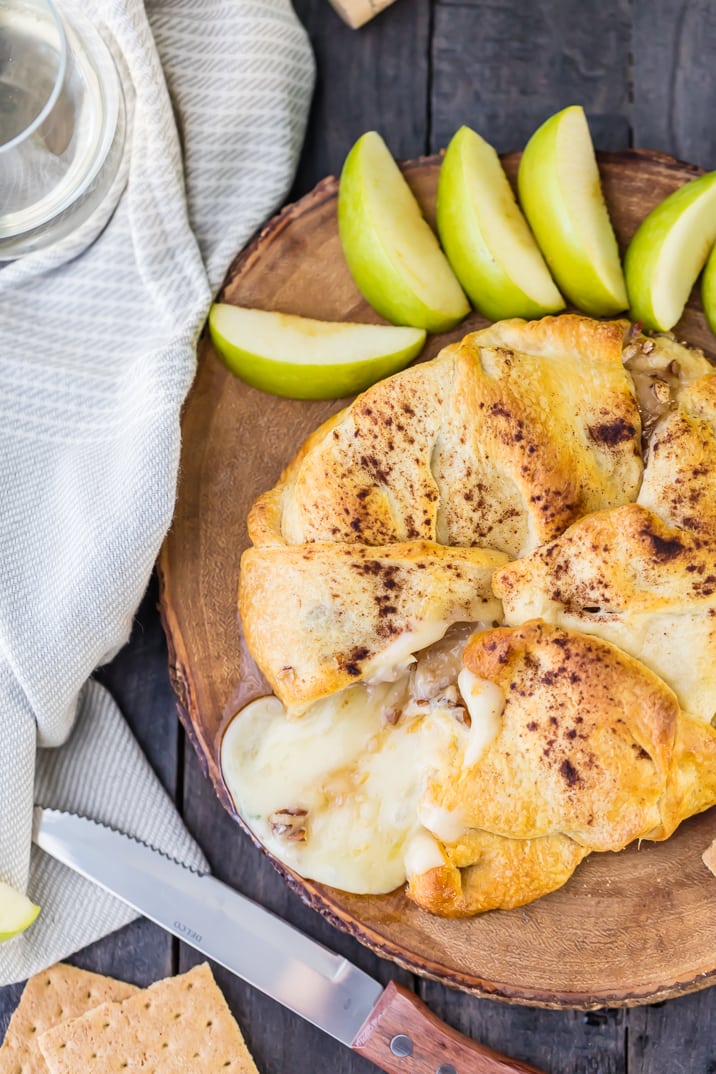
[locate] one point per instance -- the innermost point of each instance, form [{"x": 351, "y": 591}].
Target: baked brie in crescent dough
[
  {"x": 488, "y": 625},
  {"x": 501, "y": 441}
]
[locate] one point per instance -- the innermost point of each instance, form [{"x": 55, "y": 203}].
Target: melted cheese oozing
[
  {"x": 485, "y": 703},
  {"x": 394, "y": 661},
  {"x": 422, "y": 854},
  {"x": 358, "y": 778},
  {"x": 448, "y": 826}
]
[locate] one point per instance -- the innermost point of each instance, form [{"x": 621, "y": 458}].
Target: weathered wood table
[{"x": 644, "y": 71}]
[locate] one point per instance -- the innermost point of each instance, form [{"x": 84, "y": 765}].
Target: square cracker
[
  {"x": 181, "y": 1024},
  {"x": 61, "y": 993}
]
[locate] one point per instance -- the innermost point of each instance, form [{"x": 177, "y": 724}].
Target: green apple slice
[
  {"x": 561, "y": 194},
  {"x": 708, "y": 290},
  {"x": 668, "y": 251},
  {"x": 485, "y": 236},
  {"x": 16, "y": 912},
  {"x": 306, "y": 359},
  {"x": 391, "y": 251}
]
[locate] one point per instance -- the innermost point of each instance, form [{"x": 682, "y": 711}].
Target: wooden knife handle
[{"x": 402, "y": 1036}]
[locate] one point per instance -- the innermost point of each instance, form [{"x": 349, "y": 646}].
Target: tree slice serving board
[{"x": 627, "y": 928}]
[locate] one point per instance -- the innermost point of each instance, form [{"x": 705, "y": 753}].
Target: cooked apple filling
[
  {"x": 659, "y": 368},
  {"x": 289, "y": 824}
]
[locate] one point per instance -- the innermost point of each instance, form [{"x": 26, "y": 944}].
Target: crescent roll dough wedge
[
  {"x": 592, "y": 752},
  {"x": 627, "y": 577},
  {"x": 320, "y": 617},
  {"x": 501, "y": 441}
]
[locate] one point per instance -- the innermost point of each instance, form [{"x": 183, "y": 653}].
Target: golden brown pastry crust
[
  {"x": 585, "y": 742},
  {"x": 626, "y": 576},
  {"x": 489, "y": 872},
  {"x": 500, "y": 441},
  {"x": 593, "y": 752},
  {"x": 318, "y": 617}
]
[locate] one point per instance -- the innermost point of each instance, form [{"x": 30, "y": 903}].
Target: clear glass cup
[{"x": 62, "y": 123}]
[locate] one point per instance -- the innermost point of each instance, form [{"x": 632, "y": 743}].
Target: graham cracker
[
  {"x": 709, "y": 857},
  {"x": 181, "y": 1025},
  {"x": 57, "y": 995}
]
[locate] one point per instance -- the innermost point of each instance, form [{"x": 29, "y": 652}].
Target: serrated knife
[{"x": 389, "y": 1026}]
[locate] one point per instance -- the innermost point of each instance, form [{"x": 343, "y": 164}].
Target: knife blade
[{"x": 389, "y": 1026}]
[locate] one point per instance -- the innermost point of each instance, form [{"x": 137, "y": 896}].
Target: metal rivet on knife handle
[
  {"x": 435, "y": 1048},
  {"x": 401, "y": 1046}
]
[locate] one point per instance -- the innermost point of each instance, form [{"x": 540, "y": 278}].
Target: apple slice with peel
[
  {"x": 391, "y": 251},
  {"x": 561, "y": 194},
  {"x": 306, "y": 359},
  {"x": 708, "y": 293},
  {"x": 668, "y": 251},
  {"x": 16, "y": 912},
  {"x": 485, "y": 236}
]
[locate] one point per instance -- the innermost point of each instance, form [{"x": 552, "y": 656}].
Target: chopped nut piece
[
  {"x": 289, "y": 823},
  {"x": 462, "y": 715},
  {"x": 661, "y": 391},
  {"x": 450, "y": 696}
]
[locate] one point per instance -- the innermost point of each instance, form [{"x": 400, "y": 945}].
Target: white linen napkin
[{"x": 97, "y": 352}]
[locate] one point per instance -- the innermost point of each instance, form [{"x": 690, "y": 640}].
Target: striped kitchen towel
[{"x": 97, "y": 352}]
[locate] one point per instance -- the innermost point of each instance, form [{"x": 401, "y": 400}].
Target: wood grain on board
[{"x": 627, "y": 928}]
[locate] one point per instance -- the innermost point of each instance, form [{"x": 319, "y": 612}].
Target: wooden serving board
[{"x": 627, "y": 928}]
